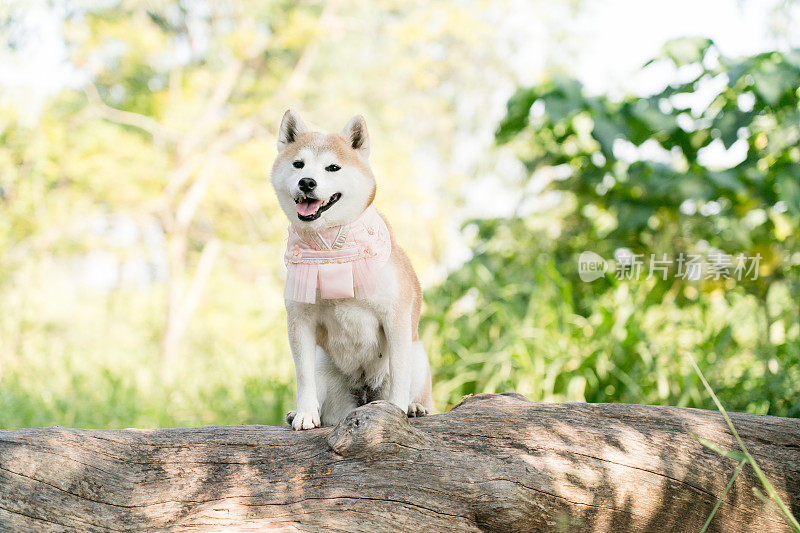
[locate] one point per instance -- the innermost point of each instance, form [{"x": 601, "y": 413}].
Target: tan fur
[
  {"x": 332, "y": 142},
  {"x": 411, "y": 291}
]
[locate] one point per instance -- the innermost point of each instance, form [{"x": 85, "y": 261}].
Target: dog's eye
[
  {"x": 332, "y": 168},
  {"x": 298, "y": 164}
]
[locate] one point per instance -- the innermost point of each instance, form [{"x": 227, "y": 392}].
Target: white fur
[
  {"x": 369, "y": 340},
  {"x": 348, "y": 181},
  {"x": 356, "y": 338}
]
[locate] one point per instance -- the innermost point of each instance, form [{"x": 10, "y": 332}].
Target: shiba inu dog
[{"x": 352, "y": 298}]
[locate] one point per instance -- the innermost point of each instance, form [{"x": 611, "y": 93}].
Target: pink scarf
[{"x": 342, "y": 261}]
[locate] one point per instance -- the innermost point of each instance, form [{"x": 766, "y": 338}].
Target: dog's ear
[
  {"x": 355, "y": 133},
  {"x": 292, "y": 127}
]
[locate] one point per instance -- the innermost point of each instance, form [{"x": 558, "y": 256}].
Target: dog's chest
[{"x": 354, "y": 337}]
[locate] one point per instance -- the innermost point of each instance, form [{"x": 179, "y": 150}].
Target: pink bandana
[{"x": 342, "y": 261}]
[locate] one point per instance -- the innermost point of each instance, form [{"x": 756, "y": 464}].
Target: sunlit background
[{"x": 141, "y": 271}]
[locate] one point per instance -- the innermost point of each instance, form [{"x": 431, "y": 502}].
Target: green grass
[
  {"x": 92, "y": 360},
  {"x": 744, "y": 457}
]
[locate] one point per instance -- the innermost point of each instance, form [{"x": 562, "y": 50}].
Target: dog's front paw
[
  {"x": 303, "y": 420},
  {"x": 415, "y": 410}
]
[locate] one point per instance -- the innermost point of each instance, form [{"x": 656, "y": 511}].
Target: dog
[{"x": 352, "y": 297}]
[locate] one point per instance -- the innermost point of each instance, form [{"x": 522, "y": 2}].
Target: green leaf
[
  {"x": 788, "y": 188},
  {"x": 517, "y": 111},
  {"x": 686, "y": 50},
  {"x": 736, "y": 473},
  {"x": 773, "y": 80},
  {"x": 728, "y": 122},
  {"x": 606, "y": 132},
  {"x": 725, "y": 452},
  {"x": 725, "y": 179}
]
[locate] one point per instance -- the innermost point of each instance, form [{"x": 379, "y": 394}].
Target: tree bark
[{"x": 495, "y": 462}]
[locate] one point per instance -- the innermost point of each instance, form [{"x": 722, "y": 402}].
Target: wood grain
[{"x": 496, "y": 462}]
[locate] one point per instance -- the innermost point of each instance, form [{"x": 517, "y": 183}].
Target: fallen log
[{"x": 495, "y": 462}]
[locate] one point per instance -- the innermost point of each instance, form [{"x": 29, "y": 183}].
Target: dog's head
[{"x": 322, "y": 180}]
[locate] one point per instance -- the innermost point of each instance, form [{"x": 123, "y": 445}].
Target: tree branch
[
  {"x": 159, "y": 132},
  {"x": 495, "y": 462}
]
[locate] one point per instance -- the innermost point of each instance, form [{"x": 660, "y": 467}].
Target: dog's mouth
[{"x": 309, "y": 208}]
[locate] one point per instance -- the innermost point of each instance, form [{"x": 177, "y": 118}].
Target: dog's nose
[{"x": 307, "y": 184}]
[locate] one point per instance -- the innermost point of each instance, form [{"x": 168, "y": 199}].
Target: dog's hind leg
[{"x": 421, "y": 398}]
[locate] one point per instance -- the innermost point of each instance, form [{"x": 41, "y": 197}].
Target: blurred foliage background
[
  {"x": 630, "y": 174},
  {"x": 140, "y": 244}
]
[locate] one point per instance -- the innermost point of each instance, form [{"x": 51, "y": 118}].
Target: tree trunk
[{"x": 495, "y": 462}]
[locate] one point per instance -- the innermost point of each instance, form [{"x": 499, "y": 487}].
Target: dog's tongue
[{"x": 308, "y": 207}]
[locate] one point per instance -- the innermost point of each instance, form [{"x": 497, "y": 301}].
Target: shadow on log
[{"x": 495, "y": 462}]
